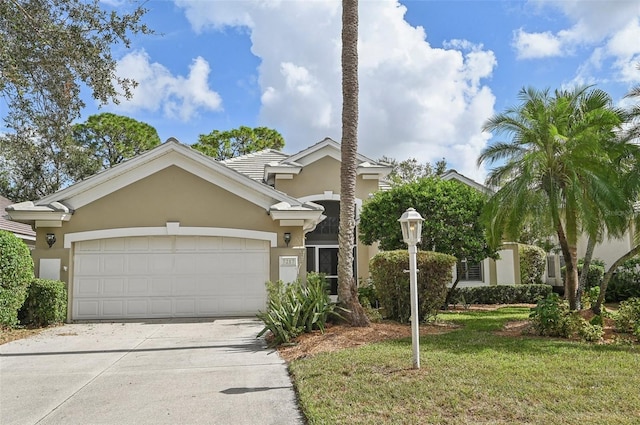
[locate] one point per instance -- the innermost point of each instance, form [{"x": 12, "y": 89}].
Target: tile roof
[
  {"x": 253, "y": 164},
  {"x": 12, "y": 226}
]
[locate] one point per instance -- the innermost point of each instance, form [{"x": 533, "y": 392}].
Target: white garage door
[{"x": 169, "y": 276}]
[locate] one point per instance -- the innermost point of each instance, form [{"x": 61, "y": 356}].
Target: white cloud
[
  {"x": 415, "y": 100},
  {"x": 178, "y": 97},
  {"x": 536, "y": 45},
  {"x": 610, "y": 28}
]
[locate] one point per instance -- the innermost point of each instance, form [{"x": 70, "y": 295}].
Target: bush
[
  {"x": 46, "y": 303},
  {"x": 627, "y": 318},
  {"x": 392, "y": 283},
  {"x": 295, "y": 308},
  {"x": 552, "y": 317},
  {"x": 625, "y": 283},
  {"x": 502, "y": 294},
  {"x": 532, "y": 263},
  {"x": 16, "y": 273}
]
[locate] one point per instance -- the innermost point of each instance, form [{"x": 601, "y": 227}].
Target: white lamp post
[{"x": 411, "y": 222}]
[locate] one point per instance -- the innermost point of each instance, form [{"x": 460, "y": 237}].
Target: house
[
  {"x": 23, "y": 231},
  {"x": 174, "y": 233}
]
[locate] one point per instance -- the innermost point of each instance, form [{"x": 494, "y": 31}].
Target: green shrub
[
  {"x": 532, "y": 263},
  {"x": 502, "y": 294},
  {"x": 625, "y": 283},
  {"x": 295, "y": 308},
  {"x": 392, "y": 283},
  {"x": 16, "y": 273},
  {"x": 552, "y": 317},
  {"x": 46, "y": 303},
  {"x": 627, "y": 318},
  {"x": 367, "y": 293}
]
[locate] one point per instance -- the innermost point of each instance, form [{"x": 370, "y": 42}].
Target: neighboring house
[
  {"x": 21, "y": 230},
  {"x": 174, "y": 233},
  {"x": 506, "y": 270}
]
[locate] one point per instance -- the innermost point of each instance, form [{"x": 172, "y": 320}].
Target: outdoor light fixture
[
  {"x": 287, "y": 238},
  {"x": 411, "y": 223},
  {"x": 51, "y": 239}
]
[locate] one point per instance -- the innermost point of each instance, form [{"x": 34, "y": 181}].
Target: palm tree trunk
[
  {"x": 569, "y": 252},
  {"x": 597, "y": 307},
  {"x": 347, "y": 289},
  {"x": 584, "y": 273}
]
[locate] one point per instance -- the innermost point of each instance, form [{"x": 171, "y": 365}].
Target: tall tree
[
  {"x": 560, "y": 163},
  {"x": 113, "y": 138},
  {"x": 227, "y": 144},
  {"x": 451, "y": 211},
  {"x": 35, "y": 166},
  {"x": 410, "y": 170},
  {"x": 49, "y": 49},
  {"x": 347, "y": 288}
]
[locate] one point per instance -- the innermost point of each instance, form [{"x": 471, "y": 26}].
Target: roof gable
[
  {"x": 454, "y": 175},
  {"x": 170, "y": 153}
]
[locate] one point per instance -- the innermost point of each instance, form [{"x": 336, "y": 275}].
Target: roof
[
  {"x": 19, "y": 229},
  {"x": 454, "y": 175},
  {"x": 253, "y": 164}
]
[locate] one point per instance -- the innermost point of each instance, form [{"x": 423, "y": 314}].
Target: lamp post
[{"x": 411, "y": 223}]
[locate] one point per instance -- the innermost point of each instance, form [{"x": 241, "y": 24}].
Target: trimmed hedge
[
  {"x": 392, "y": 283},
  {"x": 16, "y": 273},
  {"x": 46, "y": 303},
  {"x": 532, "y": 263},
  {"x": 502, "y": 294}
]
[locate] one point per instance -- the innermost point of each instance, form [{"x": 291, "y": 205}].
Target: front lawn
[{"x": 473, "y": 376}]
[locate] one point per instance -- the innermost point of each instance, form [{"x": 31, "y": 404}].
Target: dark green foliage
[
  {"x": 239, "y": 141},
  {"x": 625, "y": 282},
  {"x": 552, "y": 317},
  {"x": 111, "y": 139},
  {"x": 369, "y": 301},
  {"x": 532, "y": 263},
  {"x": 392, "y": 283},
  {"x": 295, "y": 308},
  {"x": 46, "y": 303},
  {"x": 16, "y": 273},
  {"x": 51, "y": 50},
  {"x": 502, "y": 294},
  {"x": 451, "y": 211},
  {"x": 627, "y": 317}
]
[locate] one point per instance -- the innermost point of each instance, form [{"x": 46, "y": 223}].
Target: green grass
[{"x": 473, "y": 376}]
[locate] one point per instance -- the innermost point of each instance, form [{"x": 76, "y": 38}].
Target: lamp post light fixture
[
  {"x": 411, "y": 223},
  {"x": 287, "y": 238},
  {"x": 51, "y": 239}
]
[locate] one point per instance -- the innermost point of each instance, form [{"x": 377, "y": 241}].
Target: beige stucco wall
[
  {"x": 170, "y": 195},
  {"x": 323, "y": 176},
  {"x": 610, "y": 249}
]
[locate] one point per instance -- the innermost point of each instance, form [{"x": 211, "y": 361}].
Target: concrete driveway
[{"x": 155, "y": 372}]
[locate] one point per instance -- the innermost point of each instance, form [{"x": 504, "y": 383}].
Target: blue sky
[{"x": 431, "y": 72}]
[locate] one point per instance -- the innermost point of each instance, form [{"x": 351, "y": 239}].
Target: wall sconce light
[
  {"x": 287, "y": 238},
  {"x": 51, "y": 239}
]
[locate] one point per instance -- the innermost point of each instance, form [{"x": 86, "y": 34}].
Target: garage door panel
[
  {"x": 170, "y": 276},
  {"x": 113, "y": 287}
]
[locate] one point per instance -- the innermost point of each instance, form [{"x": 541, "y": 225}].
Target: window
[
  {"x": 469, "y": 271},
  {"x": 551, "y": 266}
]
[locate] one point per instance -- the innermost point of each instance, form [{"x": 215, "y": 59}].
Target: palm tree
[
  {"x": 560, "y": 165},
  {"x": 347, "y": 289}
]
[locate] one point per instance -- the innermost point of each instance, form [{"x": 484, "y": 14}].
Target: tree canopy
[
  {"x": 451, "y": 211},
  {"x": 112, "y": 138},
  {"x": 560, "y": 165},
  {"x": 243, "y": 140},
  {"x": 34, "y": 167},
  {"x": 410, "y": 170},
  {"x": 50, "y": 49}
]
